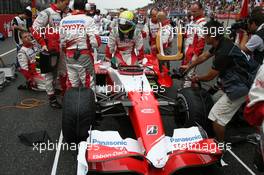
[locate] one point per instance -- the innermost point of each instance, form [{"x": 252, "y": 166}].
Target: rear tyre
[
  {"x": 193, "y": 107},
  {"x": 79, "y": 112}
]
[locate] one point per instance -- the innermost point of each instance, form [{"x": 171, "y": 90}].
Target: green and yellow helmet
[{"x": 126, "y": 22}]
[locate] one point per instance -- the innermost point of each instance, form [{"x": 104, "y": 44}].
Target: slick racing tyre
[
  {"x": 193, "y": 107},
  {"x": 78, "y": 114}
]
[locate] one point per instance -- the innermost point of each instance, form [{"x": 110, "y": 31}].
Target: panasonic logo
[
  {"x": 109, "y": 143},
  {"x": 186, "y": 139}
]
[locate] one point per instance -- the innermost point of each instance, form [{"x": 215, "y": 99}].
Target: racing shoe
[{"x": 54, "y": 103}]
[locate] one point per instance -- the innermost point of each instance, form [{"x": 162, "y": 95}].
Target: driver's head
[
  {"x": 214, "y": 32},
  {"x": 26, "y": 38},
  {"x": 62, "y": 4},
  {"x": 126, "y": 22},
  {"x": 256, "y": 19},
  {"x": 161, "y": 16},
  {"x": 196, "y": 9},
  {"x": 79, "y": 5},
  {"x": 153, "y": 14}
]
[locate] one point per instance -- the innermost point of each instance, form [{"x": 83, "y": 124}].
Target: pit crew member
[
  {"x": 46, "y": 33},
  {"x": 79, "y": 36}
]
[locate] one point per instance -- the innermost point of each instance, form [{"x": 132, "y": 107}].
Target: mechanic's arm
[
  {"x": 15, "y": 26},
  {"x": 93, "y": 34},
  {"x": 200, "y": 44},
  {"x": 166, "y": 36},
  {"x": 20, "y": 28},
  {"x": 252, "y": 44},
  {"x": 39, "y": 28},
  {"x": 243, "y": 43},
  {"x": 199, "y": 47},
  {"x": 62, "y": 37},
  {"x": 23, "y": 62},
  {"x": 139, "y": 47},
  {"x": 200, "y": 59},
  {"x": 145, "y": 31},
  {"x": 111, "y": 45},
  {"x": 208, "y": 77}
]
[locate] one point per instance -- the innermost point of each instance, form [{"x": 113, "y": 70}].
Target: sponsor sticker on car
[
  {"x": 152, "y": 130},
  {"x": 148, "y": 110}
]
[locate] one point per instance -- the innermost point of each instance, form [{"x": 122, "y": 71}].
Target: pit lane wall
[{"x": 5, "y": 24}]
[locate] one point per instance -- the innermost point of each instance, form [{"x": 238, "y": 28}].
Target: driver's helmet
[{"x": 126, "y": 22}]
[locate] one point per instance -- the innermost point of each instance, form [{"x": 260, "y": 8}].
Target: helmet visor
[{"x": 125, "y": 25}]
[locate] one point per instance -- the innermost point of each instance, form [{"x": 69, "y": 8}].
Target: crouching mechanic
[
  {"x": 27, "y": 60},
  {"x": 125, "y": 42},
  {"x": 236, "y": 71},
  {"x": 79, "y": 35}
]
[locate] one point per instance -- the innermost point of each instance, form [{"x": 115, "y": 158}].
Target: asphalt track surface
[{"x": 16, "y": 158}]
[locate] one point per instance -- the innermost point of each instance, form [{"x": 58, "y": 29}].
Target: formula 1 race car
[
  {"x": 143, "y": 95},
  {"x": 135, "y": 92}
]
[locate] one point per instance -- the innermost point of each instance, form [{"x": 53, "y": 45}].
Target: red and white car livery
[{"x": 152, "y": 152}]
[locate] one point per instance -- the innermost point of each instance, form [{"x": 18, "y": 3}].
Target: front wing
[{"x": 107, "y": 152}]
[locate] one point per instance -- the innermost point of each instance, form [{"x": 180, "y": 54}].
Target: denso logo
[
  {"x": 148, "y": 111},
  {"x": 109, "y": 155}
]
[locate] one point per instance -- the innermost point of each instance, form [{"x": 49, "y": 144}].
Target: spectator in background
[
  {"x": 19, "y": 24},
  {"x": 29, "y": 20},
  {"x": 255, "y": 45}
]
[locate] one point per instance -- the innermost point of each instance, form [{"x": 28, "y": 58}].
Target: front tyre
[
  {"x": 193, "y": 107},
  {"x": 79, "y": 111}
]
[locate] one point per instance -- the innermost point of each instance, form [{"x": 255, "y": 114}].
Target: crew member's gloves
[
  {"x": 31, "y": 84},
  {"x": 113, "y": 63}
]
